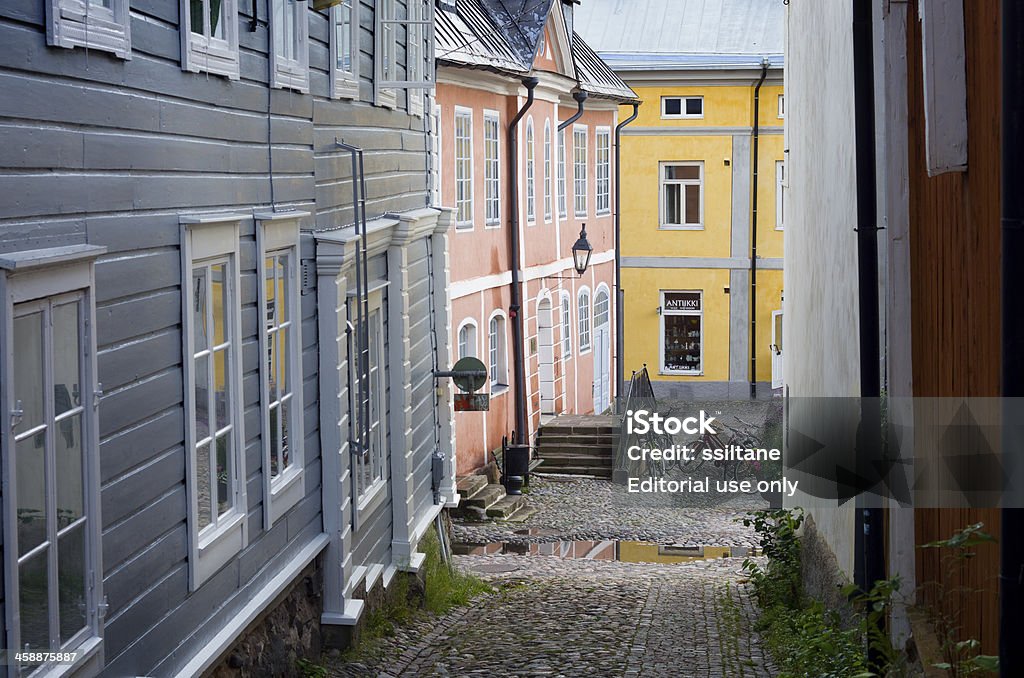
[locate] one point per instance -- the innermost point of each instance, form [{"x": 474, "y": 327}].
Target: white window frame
[
  {"x": 204, "y": 239},
  {"x": 416, "y": 65},
  {"x": 492, "y": 169},
  {"x": 782, "y": 106},
  {"x": 202, "y": 53},
  {"x": 288, "y": 72},
  {"x": 563, "y": 210},
  {"x": 579, "y": 178},
  {"x": 663, "y": 208},
  {"x": 547, "y": 171},
  {"x": 345, "y": 84},
  {"x": 566, "y": 326},
  {"x": 497, "y": 353},
  {"x": 531, "y": 173},
  {"x": 663, "y": 313},
  {"x": 682, "y": 108},
  {"x": 467, "y": 180},
  {"x": 367, "y": 499},
  {"x": 277, "y": 234},
  {"x": 420, "y": 13},
  {"x": 43, "y": 277},
  {"x": 780, "y": 194},
  {"x": 603, "y": 152},
  {"x": 584, "y": 326},
  {"x": 437, "y": 196},
  {"x": 79, "y": 23},
  {"x": 469, "y": 326}
]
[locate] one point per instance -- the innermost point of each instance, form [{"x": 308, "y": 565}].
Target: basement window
[{"x": 682, "y": 107}]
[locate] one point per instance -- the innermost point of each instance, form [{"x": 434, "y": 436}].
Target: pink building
[{"x": 486, "y": 50}]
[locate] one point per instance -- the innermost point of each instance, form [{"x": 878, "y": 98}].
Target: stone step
[
  {"x": 552, "y": 429},
  {"x": 506, "y": 507},
  {"x": 546, "y": 452},
  {"x": 574, "y": 439},
  {"x": 485, "y": 498},
  {"x": 557, "y": 460},
  {"x": 470, "y": 486},
  {"x": 580, "y": 471},
  {"x": 522, "y": 515}
]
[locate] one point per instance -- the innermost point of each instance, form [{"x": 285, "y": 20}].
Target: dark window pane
[
  {"x": 673, "y": 206},
  {"x": 30, "y": 464},
  {"x": 224, "y": 474},
  {"x": 695, "y": 106},
  {"x": 71, "y": 572},
  {"x": 691, "y": 172},
  {"x": 34, "y": 603},
  {"x": 682, "y": 343},
  {"x": 673, "y": 106},
  {"x": 28, "y": 370},
  {"x": 66, "y": 387},
  {"x": 200, "y": 331},
  {"x": 692, "y": 204},
  {"x": 205, "y": 511},
  {"x": 68, "y": 444}
]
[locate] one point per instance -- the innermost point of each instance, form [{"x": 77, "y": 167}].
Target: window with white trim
[
  {"x": 579, "y": 170},
  {"x": 463, "y": 168},
  {"x": 682, "y": 344},
  {"x": 492, "y": 170},
  {"x": 94, "y": 24},
  {"x": 281, "y": 393},
  {"x": 210, "y": 43},
  {"x": 583, "y": 318},
  {"x": 782, "y": 105},
  {"x": 780, "y": 194},
  {"x": 566, "y": 325},
  {"x": 562, "y": 210},
  {"x": 52, "y": 550},
  {"x": 467, "y": 339},
  {"x": 345, "y": 50},
  {"x": 682, "y": 107},
  {"x": 385, "y": 53},
  {"x": 547, "y": 170},
  {"x": 603, "y": 149},
  {"x": 215, "y": 438},
  {"x": 435, "y": 158},
  {"x": 368, "y": 464},
  {"x": 415, "y": 54},
  {"x": 417, "y": 29},
  {"x": 497, "y": 354},
  {"x": 289, "y": 45},
  {"x": 531, "y": 176},
  {"x": 682, "y": 195}
]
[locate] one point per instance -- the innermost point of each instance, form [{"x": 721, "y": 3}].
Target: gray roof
[
  {"x": 700, "y": 34},
  {"x": 594, "y": 75},
  {"x": 468, "y": 37},
  {"x": 521, "y": 21}
]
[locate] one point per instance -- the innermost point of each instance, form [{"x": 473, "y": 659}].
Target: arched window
[
  {"x": 467, "y": 339},
  {"x": 497, "y": 360},
  {"x": 547, "y": 170},
  {"x": 583, "y": 318},
  {"x": 601, "y": 310},
  {"x": 566, "y": 325},
  {"x": 531, "y": 199}
]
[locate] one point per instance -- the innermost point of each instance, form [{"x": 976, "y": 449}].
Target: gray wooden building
[{"x": 217, "y": 369}]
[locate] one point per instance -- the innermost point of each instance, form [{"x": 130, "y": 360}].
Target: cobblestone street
[{"x": 587, "y": 614}]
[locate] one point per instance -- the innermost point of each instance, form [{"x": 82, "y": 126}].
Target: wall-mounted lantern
[{"x": 581, "y": 252}]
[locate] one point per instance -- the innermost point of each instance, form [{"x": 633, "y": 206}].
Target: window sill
[
  {"x": 499, "y": 390},
  {"x": 584, "y": 351},
  {"x": 87, "y": 662},
  {"x": 461, "y": 228},
  {"x": 668, "y": 373},
  {"x": 344, "y": 88},
  {"x": 285, "y": 492},
  {"x": 372, "y": 498},
  {"x": 779, "y": 228},
  {"x": 603, "y": 213},
  {"x": 492, "y": 225},
  {"x": 681, "y": 227},
  {"x": 217, "y": 548}
]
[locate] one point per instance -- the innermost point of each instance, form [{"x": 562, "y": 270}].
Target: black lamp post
[{"x": 581, "y": 252}]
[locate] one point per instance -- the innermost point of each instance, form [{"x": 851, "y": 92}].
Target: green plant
[
  {"x": 446, "y": 587},
  {"x": 309, "y": 669}
]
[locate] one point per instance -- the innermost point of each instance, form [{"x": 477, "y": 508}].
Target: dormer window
[{"x": 682, "y": 107}]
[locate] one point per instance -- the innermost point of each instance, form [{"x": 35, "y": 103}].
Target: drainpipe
[
  {"x": 869, "y": 521},
  {"x": 620, "y": 324},
  {"x": 1011, "y": 542},
  {"x": 580, "y": 96},
  {"x": 518, "y": 358},
  {"x": 753, "y": 235}
]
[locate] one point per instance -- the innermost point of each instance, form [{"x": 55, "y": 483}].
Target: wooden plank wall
[{"x": 955, "y": 253}]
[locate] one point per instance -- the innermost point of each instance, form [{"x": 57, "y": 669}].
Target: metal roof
[
  {"x": 468, "y": 37},
  {"x": 521, "y": 21},
  {"x": 652, "y": 34},
  {"x": 594, "y": 75}
]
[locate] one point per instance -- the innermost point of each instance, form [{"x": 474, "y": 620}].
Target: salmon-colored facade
[{"x": 568, "y": 320}]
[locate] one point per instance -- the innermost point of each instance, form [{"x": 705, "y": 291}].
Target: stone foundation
[
  {"x": 821, "y": 576},
  {"x": 288, "y": 631},
  {"x": 344, "y": 637}
]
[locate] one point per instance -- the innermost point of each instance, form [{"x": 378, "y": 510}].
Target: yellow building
[{"x": 702, "y": 287}]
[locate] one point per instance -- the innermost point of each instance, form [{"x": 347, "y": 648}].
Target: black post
[
  {"x": 753, "y": 235},
  {"x": 620, "y": 294},
  {"x": 1011, "y": 565}
]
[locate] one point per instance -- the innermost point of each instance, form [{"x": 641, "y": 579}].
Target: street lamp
[{"x": 581, "y": 252}]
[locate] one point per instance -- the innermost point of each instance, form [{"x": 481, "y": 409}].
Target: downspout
[
  {"x": 1011, "y": 542},
  {"x": 620, "y": 324},
  {"x": 580, "y": 96},
  {"x": 518, "y": 357},
  {"x": 869, "y": 528},
  {"x": 753, "y": 235}
]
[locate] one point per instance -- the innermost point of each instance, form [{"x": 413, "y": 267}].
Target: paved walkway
[{"x": 554, "y": 616}]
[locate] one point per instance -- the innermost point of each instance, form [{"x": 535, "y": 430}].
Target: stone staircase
[
  {"x": 484, "y": 501},
  {"x": 578, "y": 445}
]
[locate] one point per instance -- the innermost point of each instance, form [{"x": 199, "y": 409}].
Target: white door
[
  {"x": 546, "y": 356},
  {"x": 776, "y": 349},
  {"x": 602, "y": 353}
]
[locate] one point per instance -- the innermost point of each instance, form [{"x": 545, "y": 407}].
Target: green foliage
[
  {"x": 969, "y": 537},
  {"x": 446, "y": 587},
  {"x": 308, "y": 669}
]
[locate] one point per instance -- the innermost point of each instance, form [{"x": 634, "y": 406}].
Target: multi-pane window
[
  {"x": 94, "y": 24},
  {"x": 496, "y": 353},
  {"x": 463, "y": 168},
  {"x": 280, "y": 342},
  {"x": 566, "y": 325},
  {"x": 682, "y": 346},
  {"x": 601, "y": 308},
  {"x": 385, "y": 52},
  {"x": 583, "y": 318},
  {"x": 345, "y": 50},
  {"x": 579, "y": 170},
  {"x": 415, "y": 54},
  {"x": 467, "y": 340},
  {"x": 682, "y": 107},
  {"x": 561, "y": 174},
  {"x": 492, "y": 169},
  {"x": 682, "y": 194},
  {"x": 780, "y": 194},
  {"x": 531, "y": 198},
  {"x": 368, "y": 455},
  {"x": 211, "y": 42},
  {"x": 782, "y": 105},
  {"x": 547, "y": 170},
  {"x": 603, "y": 149},
  {"x": 289, "y": 45}
]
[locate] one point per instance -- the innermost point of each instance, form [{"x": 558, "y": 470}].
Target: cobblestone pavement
[{"x": 552, "y": 616}]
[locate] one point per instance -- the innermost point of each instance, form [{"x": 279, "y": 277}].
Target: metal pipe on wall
[
  {"x": 753, "y": 234},
  {"x": 620, "y": 300}
]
